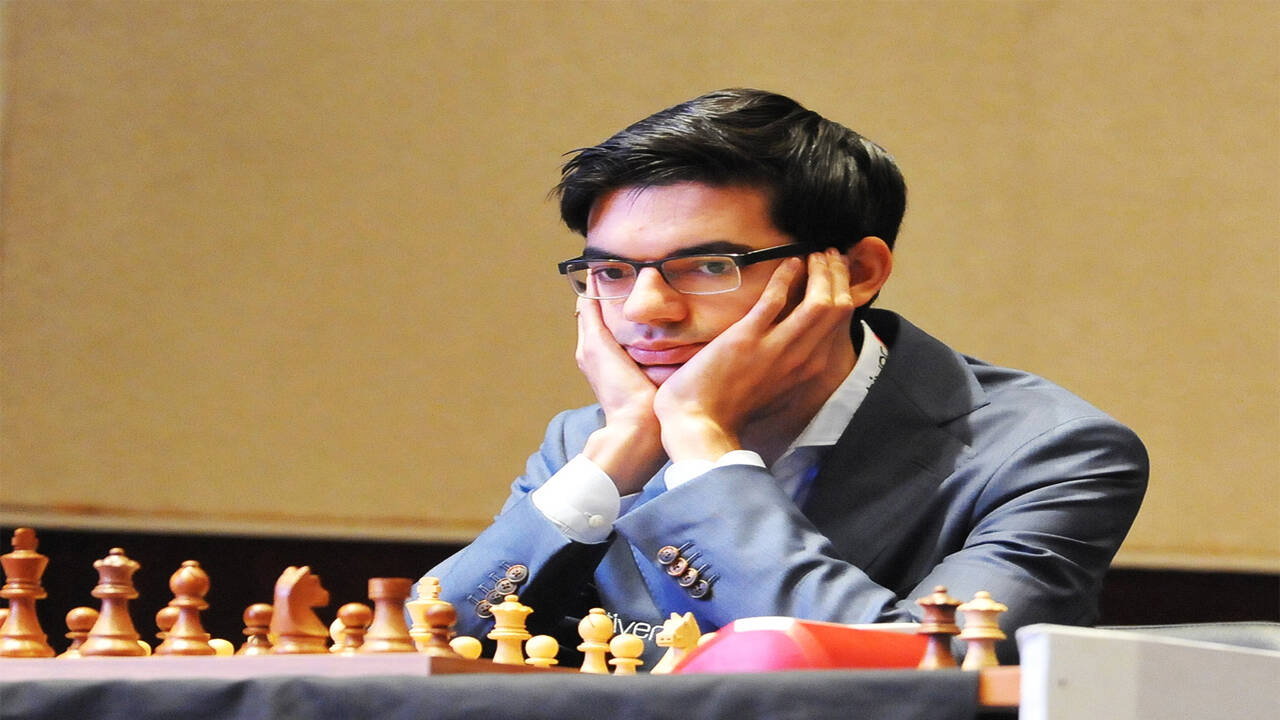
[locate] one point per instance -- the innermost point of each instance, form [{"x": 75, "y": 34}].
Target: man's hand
[
  {"x": 629, "y": 447},
  {"x": 766, "y": 364}
]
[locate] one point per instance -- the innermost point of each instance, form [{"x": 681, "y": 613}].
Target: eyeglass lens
[{"x": 694, "y": 275}]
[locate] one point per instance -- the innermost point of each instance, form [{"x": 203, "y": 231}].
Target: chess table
[
  {"x": 395, "y": 686},
  {"x": 1066, "y": 673}
]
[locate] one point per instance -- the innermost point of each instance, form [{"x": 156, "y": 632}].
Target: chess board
[
  {"x": 287, "y": 639},
  {"x": 252, "y": 666}
]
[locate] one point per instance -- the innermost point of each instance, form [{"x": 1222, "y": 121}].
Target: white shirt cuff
[
  {"x": 679, "y": 473},
  {"x": 581, "y": 500}
]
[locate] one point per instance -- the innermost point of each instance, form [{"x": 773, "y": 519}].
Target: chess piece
[
  {"x": 222, "y": 648},
  {"x": 981, "y": 631},
  {"x": 429, "y": 589},
  {"x": 466, "y": 646},
  {"x": 257, "y": 623},
  {"x": 428, "y": 592},
  {"x": 433, "y": 620},
  {"x": 113, "y": 634},
  {"x": 542, "y": 651},
  {"x": 190, "y": 583},
  {"x": 353, "y": 620},
  {"x": 79, "y": 622},
  {"x": 939, "y": 624},
  {"x": 388, "y": 632},
  {"x": 336, "y": 632},
  {"x": 21, "y": 635},
  {"x": 165, "y": 618},
  {"x": 293, "y": 621},
  {"x": 626, "y": 650},
  {"x": 509, "y": 630},
  {"x": 440, "y": 619},
  {"x": 679, "y": 634},
  {"x": 595, "y": 630}
]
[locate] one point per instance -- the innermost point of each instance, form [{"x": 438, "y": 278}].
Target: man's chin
[{"x": 658, "y": 374}]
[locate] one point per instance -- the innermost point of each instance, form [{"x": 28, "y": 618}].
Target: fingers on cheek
[{"x": 825, "y": 313}]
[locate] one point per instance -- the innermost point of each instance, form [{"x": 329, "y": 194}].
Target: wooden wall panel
[{"x": 287, "y": 268}]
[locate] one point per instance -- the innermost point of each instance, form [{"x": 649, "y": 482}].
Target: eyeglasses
[{"x": 610, "y": 279}]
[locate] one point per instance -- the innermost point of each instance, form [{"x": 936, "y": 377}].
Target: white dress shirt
[{"x": 582, "y": 501}]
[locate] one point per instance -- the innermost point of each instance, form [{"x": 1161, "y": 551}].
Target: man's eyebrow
[{"x": 713, "y": 247}]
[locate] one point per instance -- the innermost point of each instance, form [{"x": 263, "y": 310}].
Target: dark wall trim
[{"x": 243, "y": 570}]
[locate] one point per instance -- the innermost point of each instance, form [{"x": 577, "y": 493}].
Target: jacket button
[
  {"x": 677, "y": 568},
  {"x": 668, "y": 554},
  {"x": 517, "y": 573},
  {"x": 700, "y": 589},
  {"x": 484, "y": 609},
  {"x": 689, "y": 577}
]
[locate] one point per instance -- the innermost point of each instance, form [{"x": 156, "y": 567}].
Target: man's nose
[{"x": 653, "y": 301}]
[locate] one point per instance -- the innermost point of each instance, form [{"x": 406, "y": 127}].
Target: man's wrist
[
  {"x": 697, "y": 439},
  {"x": 629, "y": 455}
]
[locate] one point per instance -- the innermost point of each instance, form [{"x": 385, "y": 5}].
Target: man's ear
[{"x": 870, "y": 261}]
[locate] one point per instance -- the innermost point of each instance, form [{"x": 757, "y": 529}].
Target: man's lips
[{"x": 662, "y": 354}]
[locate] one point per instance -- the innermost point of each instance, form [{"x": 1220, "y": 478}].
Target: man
[{"x": 764, "y": 443}]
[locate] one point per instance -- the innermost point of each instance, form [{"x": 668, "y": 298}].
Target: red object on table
[{"x": 769, "y": 644}]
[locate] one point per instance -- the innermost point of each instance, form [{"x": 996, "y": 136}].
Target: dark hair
[{"x": 828, "y": 185}]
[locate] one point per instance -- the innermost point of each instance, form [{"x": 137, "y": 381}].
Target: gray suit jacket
[{"x": 952, "y": 472}]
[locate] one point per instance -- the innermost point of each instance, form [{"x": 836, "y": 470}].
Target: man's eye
[
  {"x": 713, "y": 267},
  {"x": 609, "y": 273}
]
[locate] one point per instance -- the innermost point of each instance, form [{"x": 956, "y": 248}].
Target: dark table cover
[{"x": 807, "y": 695}]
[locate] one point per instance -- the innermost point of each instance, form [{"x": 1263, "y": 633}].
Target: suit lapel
[{"x": 875, "y": 488}]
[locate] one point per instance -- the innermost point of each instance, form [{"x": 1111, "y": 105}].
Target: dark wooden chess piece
[
  {"x": 21, "y": 635},
  {"x": 440, "y": 619},
  {"x": 114, "y": 634},
  {"x": 354, "y": 619},
  {"x": 433, "y": 620},
  {"x": 388, "y": 632},
  {"x": 165, "y": 618},
  {"x": 79, "y": 621},
  {"x": 187, "y": 636},
  {"x": 293, "y": 621},
  {"x": 257, "y": 625},
  {"x": 939, "y": 624}
]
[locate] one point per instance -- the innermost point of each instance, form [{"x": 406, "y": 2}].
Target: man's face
[{"x": 658, "y": 327}]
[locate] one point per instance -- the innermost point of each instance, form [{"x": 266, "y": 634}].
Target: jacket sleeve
[
  {"x": 1035, "y": 525},
  {"x": 550, "y": 573}
]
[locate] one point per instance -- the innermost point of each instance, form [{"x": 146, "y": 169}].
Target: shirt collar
[
  {"x": 794, "y": 471},
  {"x": 826, "y": 427}
]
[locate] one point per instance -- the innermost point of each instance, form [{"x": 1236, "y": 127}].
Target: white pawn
[
  {"x": 595, "y": 630},
  {"x": 466, "y": 646},
  {"x": 542, "y": 651},
  {"x": 221, "y": 647},
  {"x": 626, "y": 649}
]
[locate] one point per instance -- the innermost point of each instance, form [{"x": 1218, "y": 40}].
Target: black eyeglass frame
[{"x": 740, "y": 260}]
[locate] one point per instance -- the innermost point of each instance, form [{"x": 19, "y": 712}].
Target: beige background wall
[{"x": 289, "y": 267}]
